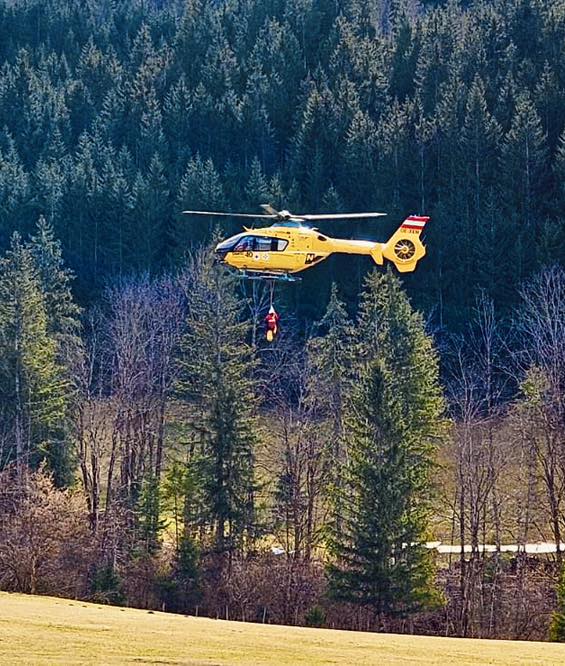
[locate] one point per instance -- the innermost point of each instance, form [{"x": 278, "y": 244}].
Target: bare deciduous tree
[
  {"x": 126, "y": 375},
  {"x": 478, "y": 458}
]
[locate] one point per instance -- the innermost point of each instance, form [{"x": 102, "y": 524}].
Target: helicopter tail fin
[{"x": 404, "y": 248}]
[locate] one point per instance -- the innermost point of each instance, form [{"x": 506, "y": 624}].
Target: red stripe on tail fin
[{"x": 417, "y": 222}]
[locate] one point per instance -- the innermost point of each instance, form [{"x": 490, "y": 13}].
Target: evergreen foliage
[
  {"x": 114, "y": 118},
  {"x": 394, "y": 424},
  {"x": 34, "y": 386},
  {"x": 332, "y": 357},
  {"x": 216, "y": 363},
  {"x": 150, "y": 522},
  {"x": 557, "y": 627}
]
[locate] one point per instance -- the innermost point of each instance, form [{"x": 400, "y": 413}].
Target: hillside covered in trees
[
  {"x": 154, "y": 450},
  {"x": 116, "y": 116}
]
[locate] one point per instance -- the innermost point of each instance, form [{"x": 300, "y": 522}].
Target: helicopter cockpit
[{"x": 246, "y": 242}]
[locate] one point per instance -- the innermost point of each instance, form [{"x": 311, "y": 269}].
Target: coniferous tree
[
  {"x": 216, "y": 362},
  {"x": 32, "y": 382},
  {"x": 150, "y": 523},
  {"x": 15, "y": 190},
  {"x": 480, "y": 137},
  {"x": 332, "y": 359},
  {"x": 559, "y": 199},
  {"x": 152, "y": 219},
  {"x": 257, "y": 189},
  {"x": 200, "y": 187},
  {"x": 523, "y": 156},
  {"x": 395, "y": 419},
  {"x": 331, "y": 356},
  {"x": 62, "y": 312}
]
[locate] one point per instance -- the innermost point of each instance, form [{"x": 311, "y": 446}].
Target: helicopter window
[
  {"x": 260, "y": 244},
  {"x": 245, "y": 244},
  {"x": 229, "y": 244},
  {"x": 263, "y": 244}
]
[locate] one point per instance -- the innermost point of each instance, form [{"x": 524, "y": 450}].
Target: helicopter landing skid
[{"x": 281, "y": 277}]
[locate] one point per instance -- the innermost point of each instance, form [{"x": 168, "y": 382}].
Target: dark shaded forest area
[
  {"x": 154, "y": 450},
  {"x": 115, "y": 117}
]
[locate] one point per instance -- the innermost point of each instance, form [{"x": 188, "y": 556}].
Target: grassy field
[{"x": 43, "y": 630}]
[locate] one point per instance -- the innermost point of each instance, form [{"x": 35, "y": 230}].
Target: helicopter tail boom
[{"x": 404, "y": 248}]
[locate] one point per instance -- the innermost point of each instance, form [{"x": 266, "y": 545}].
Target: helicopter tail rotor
[{"x": 405, "y": 248}]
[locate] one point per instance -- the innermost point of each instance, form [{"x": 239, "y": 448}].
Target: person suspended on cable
[{"x": 272, "y": 324}]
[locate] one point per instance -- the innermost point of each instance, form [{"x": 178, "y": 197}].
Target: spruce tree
[
  {"x": 257, "y": 189},
  {"x": 200, "y": 187},
  {"x": 216, "y": 364},
  {"x": 394, "y": 420},
  {"x": 523, "y": 157},
  {"x": 62, "y": 312},
  {"x": 33, "y": 386},
  {"x": 479, "y": 153},
  {"x": 331, "y": 357},
  {"x": 559, "y": 176},
  {"x": 150, "y": 523},
  {"x": 152, "y": 220}
]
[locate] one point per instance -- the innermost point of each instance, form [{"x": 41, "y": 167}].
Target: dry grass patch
[{"x": 43, "y": 630}]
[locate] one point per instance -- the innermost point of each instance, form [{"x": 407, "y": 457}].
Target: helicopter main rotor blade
[
  {"x": 338, "y": 216},
  {"x": 210, "y": 212},
  {"x": 269, "y": 209}
]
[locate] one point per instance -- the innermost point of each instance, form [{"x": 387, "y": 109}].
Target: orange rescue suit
[{"x": 272, "y": 324}]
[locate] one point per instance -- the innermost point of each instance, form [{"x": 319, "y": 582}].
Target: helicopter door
[{"x": 270, "y": 252}]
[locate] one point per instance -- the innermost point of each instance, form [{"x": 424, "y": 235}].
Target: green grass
[{"x": 43, "y": 630}]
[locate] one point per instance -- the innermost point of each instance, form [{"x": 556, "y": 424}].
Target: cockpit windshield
[
  {"x": 246, "y": 242},
  {"x": 230, "y": 243}
]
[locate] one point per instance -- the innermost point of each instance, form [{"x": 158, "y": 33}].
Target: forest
[{"x": 155, "y": 451}]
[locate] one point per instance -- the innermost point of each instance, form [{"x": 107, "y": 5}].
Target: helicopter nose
[{"x": 219, "y": 256}]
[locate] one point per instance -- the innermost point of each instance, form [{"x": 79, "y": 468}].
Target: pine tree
[
  {"x": 33, "y": 387},
  {"x": 523, "y": 157},
  {"x": 480, "y": 136},
  {"x": 62, "y": 312},
  {"x": 150, "y": 524},
  {"x": 216, "y": 362},
  {"x": 395, "y": 419},
  {"x": 153, "y": 224},
  {"x": 200, "y": 188},
  {"x": 331, "y": 356}
]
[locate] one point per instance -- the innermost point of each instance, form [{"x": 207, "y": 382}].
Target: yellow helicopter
[{"x": 290, "y": 246}]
